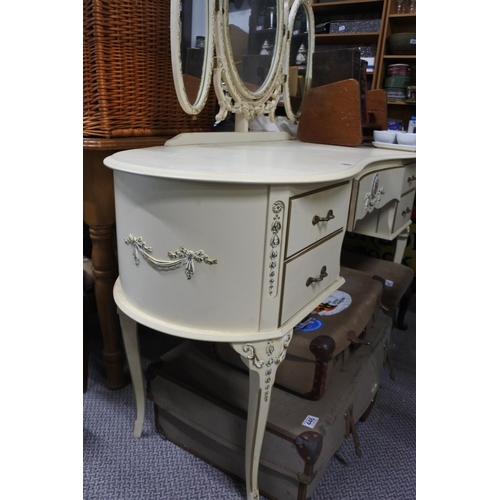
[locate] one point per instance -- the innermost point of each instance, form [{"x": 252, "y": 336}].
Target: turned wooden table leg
[
  {"x": 106, "y": 271},
  {"x": 262, "y": 359}
]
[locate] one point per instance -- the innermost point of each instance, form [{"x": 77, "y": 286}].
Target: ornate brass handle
[
  {"x": 406, "y": 212},
  {"x": 183, "y": 257},
  {"x": 329, "y": 216},
  {"x": 322, "y": 276},
  {"x": 412, "y": 178}
]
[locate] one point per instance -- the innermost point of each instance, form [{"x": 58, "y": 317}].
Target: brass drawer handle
[
  {"x": 322, "y": 276},
  {"x": 406, "y": 212},
  {"x": 412, "y": 178},
  {"x": 329, "y": 216}
]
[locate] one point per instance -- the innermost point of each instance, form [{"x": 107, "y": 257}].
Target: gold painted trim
[
  {"x": 379, "y": 170},
  {"x": 398, "y": 203},
  {"x": 296, "y": 256},
  {"x": 312, "y": 245},
  {"x": 303, "y": 195},
  {"x": 409, "y": 191}
]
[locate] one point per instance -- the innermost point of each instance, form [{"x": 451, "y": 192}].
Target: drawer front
[
  {"x": 409, "y": 178},
  {"x": 306, "y": 211},
  {"x": 403, "y": 210},
  {"x": 298, "y": 290},
  {"x": 377, "y": 189}
]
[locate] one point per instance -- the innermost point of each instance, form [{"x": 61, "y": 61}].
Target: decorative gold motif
[
  {"x": 372, "y": 199},
  {"x": 271, "y": 363},
  {"x": 252, "y": 356},
  {"x": 276, "y": 228},
  {"x": 182, "y": 257}
]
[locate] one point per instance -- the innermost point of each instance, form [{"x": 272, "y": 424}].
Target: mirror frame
[
  {"x": 309, "y": 67},
  {"x": 176, "y": 56},
  {"x": 231, "y": 92},
  {"x": 232, "y": 72}
]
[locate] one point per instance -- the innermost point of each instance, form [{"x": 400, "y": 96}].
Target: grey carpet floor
[{"x": 119, "y": 467}]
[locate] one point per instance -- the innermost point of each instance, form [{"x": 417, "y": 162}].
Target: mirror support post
[{"x": 240, "y": 123}]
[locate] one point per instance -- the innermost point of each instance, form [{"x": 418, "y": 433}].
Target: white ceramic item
[
  {"x": 406, "y": 139},
  {"x": 387, "y": 136}
]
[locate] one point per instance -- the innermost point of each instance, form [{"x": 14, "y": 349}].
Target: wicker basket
[{"x": 128, "y": 88}]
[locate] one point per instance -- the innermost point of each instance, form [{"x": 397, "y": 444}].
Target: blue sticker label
[{"x": 309, "y": 325}]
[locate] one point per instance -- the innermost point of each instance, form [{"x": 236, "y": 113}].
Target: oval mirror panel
[
  {"x": 192, "y": 49},
  {"x": 299, "y": 57},
  {"x": 251, "y": 27}
]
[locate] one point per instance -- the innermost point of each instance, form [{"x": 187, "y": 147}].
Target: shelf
[
  {"x": 334, "y": 38},
  {"x": 401, "y": 56},
  {"x": 328, "y": 5},
  {"x": 402, "y": 16},
  {"x": 265, "y": 31},
  {"x": 401, "y": 103},
  {"x": 352, "y": 10}
]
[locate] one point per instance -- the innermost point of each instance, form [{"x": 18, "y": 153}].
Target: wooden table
[{"x": 99, "y": 215}]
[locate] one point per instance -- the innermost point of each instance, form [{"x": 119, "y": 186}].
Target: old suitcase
[
  {"x": 201, "y": 403},
  {"x": 315, "y": 356},
  {"x": 398, "y": 280}
]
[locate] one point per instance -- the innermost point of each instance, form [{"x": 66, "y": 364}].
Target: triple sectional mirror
[{"x": 257, "y": 54}]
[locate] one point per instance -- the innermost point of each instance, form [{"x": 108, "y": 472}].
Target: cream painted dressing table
[
  {"x": 235, "y": 237},
  {"x": 232, "y": 241},
  {"x": 381, "y": 202}
]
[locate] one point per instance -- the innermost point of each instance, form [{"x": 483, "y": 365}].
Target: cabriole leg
[
  {"x": 262, "y": 359},
  {"x": 133, "y": 352}
]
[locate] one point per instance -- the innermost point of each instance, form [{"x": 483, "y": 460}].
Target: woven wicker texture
[{"x": 128, "y": 87}]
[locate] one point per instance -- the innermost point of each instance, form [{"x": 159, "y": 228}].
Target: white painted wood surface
[{"x": 235, "y": 160}]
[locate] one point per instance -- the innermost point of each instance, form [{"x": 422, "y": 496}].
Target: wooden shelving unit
[
  {"x": 397, "y": 23},
  {"x": 355, "y": 10}
]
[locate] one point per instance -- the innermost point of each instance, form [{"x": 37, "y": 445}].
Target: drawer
[
  {"x": 297, "y": 291},
  {"x": 304, "y": 228},
  {"x": 376, "y": 189},
  {"x": 409, "y": 178},
  {"x": 403, "y": 209}
]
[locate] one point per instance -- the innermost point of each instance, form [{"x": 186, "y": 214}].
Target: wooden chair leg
[
  {"x": 85, "y": 355},
  {"x": 89, "y": 307}
]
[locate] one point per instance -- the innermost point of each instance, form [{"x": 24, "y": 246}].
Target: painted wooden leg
[
  {"x": 401, "y": 242},
  {"x": 262, "y": 359},
  {"x": 133, "y": 352}
]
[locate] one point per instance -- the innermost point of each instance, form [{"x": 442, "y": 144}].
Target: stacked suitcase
[{"x": 326, "y": 384}]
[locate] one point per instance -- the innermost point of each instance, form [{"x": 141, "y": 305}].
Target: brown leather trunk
[
  {"x": 201, "y": 404},
  {"x": 313, "y": 358}
]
